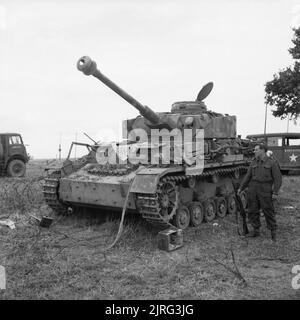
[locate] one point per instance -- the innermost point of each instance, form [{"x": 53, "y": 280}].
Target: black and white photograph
[{"x": 150, "y": 153}]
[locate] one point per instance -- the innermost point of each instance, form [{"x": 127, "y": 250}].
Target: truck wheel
[{"x": 16, "y": 168}]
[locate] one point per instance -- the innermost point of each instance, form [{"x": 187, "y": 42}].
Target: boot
[{"x": 273, "y": 235}]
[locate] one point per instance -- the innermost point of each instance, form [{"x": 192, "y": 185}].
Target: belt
[{"x": 256, "y": 181}]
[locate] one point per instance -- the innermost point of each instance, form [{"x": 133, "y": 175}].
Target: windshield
[
  {"x": 15, "y": 140},
  {"x": 292, "y": 141},
  {"x": 274, "y": 142}
]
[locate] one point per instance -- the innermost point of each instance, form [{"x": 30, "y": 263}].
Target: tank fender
[{"x": 146, "y": 180}]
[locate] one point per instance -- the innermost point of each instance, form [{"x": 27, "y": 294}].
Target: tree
[{"x": 283, "y": 91}]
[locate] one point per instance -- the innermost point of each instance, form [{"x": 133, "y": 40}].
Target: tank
[{"x": 162, "y": 187}]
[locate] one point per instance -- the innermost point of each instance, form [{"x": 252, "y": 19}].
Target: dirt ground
[{"x": 66, "y": 261}]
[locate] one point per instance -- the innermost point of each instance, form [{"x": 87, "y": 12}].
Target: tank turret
[{"x": 184, "y": 114}]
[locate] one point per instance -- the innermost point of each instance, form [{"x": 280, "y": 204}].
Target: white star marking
[{"x": 293, "y": 158}]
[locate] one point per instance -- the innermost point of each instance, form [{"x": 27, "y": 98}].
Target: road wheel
[
  {"x": 209, "y": 210},
  {"x": 16, "y": 168},
  {"x": 182, "y": 217},
  {"x": 231, "y": 204},
  {"x": 221, "y": 205},
  {"x": 197, "y": 213}
]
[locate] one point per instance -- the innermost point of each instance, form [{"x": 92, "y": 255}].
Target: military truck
[{"x": 13, "y": 155}]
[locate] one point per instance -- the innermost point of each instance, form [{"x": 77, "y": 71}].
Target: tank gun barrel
[{"x": 89, "y": 67}]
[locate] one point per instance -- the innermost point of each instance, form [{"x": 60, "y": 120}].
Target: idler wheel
[
  {"x": 182, "y": 217},
  {"x": 74, "y": 210},
  {"x": 231, "y": 204},
  {"x": 221, "y": 205},
  {"x": 197, "y": 213},
  {"x": 209, "y": 210}
]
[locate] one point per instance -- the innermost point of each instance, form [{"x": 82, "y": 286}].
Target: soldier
[{"x": 264, "y": 180}]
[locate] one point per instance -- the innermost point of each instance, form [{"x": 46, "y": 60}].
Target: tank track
[
  {"x": 148, "y": 204},
  {"x": 50, "y": 191}
]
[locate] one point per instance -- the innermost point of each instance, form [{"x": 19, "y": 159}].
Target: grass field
[{"x": 66, "y": 260}]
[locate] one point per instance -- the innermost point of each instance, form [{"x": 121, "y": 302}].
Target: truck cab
[
  {"x": 13, "y": 155},
  {"x": 285, "y": 148}
]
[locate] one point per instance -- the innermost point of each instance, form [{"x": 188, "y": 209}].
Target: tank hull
[
  {"x": 157, "y": 194},
  {"x": 84, "y": 188}
]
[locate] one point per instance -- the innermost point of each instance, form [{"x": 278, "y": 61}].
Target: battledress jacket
[{"x": 263, "y": 170}]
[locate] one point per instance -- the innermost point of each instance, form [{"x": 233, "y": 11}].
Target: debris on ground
[
  {"x": 44, "y": 222},
  {"x": 9, "y": 223}
]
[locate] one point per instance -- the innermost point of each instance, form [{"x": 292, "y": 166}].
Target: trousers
[{"x": 260, "y": 197}]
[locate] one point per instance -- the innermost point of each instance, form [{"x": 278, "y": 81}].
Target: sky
[{"x": 158, "y": 51}]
